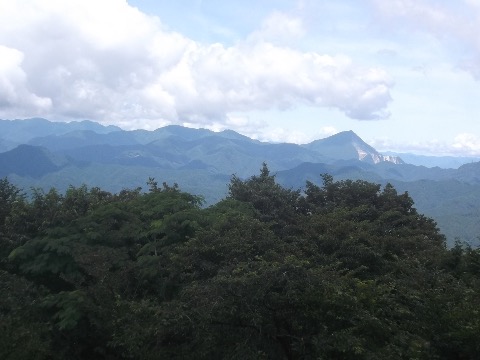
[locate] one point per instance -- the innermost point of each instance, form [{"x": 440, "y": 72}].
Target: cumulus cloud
[
  {"x": 108, "y": 61},
  {"x": 467, "y": 144},
  {"x": 453, "y": 23},
  {"x": 14, "y": 84}
]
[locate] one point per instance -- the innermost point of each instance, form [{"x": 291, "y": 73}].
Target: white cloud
[
  {"x": 109, "y": 62},
  {"x": 216, "y": 80},
  {"x": 467, "y": 144},
  {"x": 14, "y": 90},
  {"x": 280, "y": 135},
  {"x": 455, "y": 24}
]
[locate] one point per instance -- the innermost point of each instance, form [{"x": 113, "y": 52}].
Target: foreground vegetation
[{"x": 345, "y": 270}]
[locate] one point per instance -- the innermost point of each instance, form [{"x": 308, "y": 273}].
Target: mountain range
[{"x": 41, "y": 153}]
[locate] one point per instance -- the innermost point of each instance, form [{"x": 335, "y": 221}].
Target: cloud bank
[{"x": 107, "y": 61}]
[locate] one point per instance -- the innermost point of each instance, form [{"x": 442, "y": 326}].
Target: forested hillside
[{"x": 342, "y": 270}]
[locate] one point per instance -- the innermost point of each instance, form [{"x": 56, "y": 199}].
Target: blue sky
[{"x": 403, "y": 74}]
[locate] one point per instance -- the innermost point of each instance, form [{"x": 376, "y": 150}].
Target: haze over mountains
[{"x": 40, "y": 153}]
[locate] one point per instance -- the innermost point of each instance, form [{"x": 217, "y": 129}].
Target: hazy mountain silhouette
[{"x": 22, "y": 131}]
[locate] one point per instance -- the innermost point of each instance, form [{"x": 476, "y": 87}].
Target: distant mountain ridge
[
  {"x": 21, "y": 131},
  {"x": 177, "y": 147},
  {"x": 40, "y": 153},
  {"x": 38, "y": 131}
]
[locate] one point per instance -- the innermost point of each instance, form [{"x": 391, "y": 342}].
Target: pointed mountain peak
[
  {"x": 347, "y": 145},
  {"x": 344, "y": 136}
]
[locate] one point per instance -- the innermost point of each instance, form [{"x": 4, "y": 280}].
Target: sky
[{"x": 403, "y": 74}]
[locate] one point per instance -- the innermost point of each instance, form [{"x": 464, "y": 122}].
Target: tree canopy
[{"x": 341, "y": 269}]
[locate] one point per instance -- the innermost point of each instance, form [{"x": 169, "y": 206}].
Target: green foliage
[
  {"x": 8, "y": 195},
  {"x": 23, "y": 333},
  {"x": 345, "y": 270},
  {"x": 272, "y": 202},
  {"x": 11, "y": 201}
]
